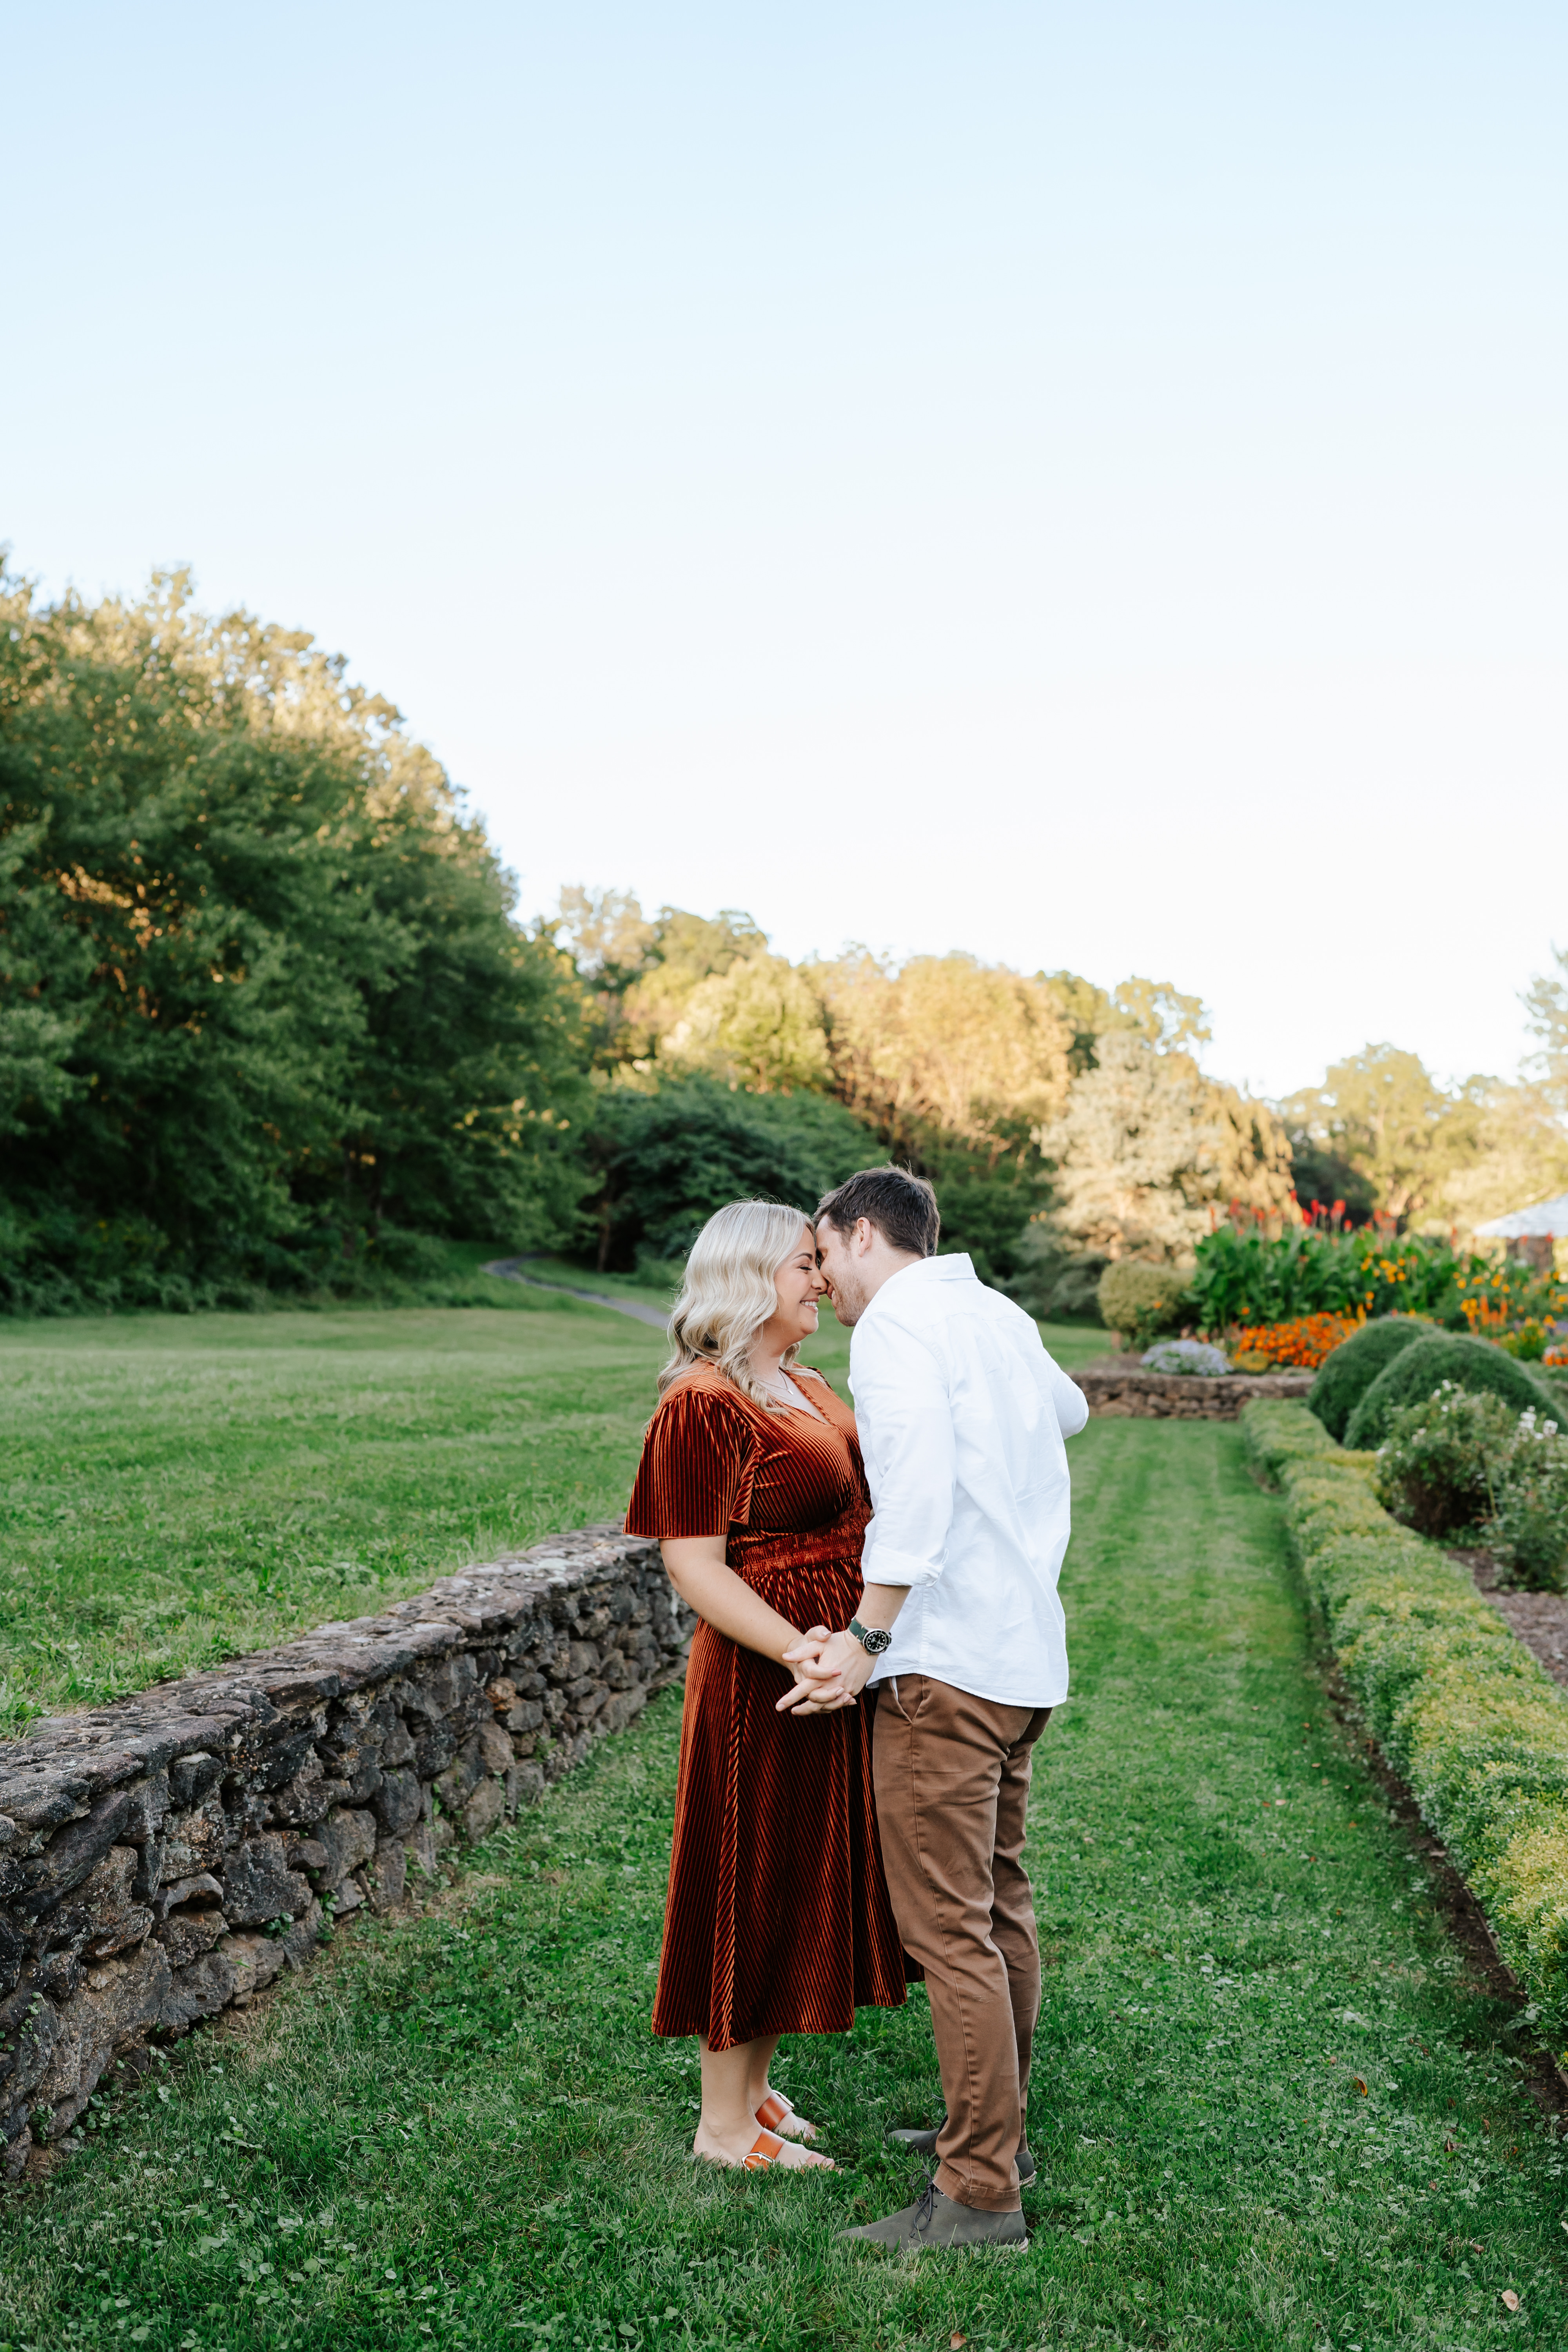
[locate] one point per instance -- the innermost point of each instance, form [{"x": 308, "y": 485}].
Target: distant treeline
[{"x": 267, "y": 1019}]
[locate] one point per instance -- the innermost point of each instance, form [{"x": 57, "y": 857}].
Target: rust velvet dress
[{"x": 777, "y": 1919}]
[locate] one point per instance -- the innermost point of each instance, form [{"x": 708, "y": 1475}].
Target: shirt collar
[{"x": 953, "y": 1266}]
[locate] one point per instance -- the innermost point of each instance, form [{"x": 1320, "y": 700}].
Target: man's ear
[{"x": 865, "y": 1235}]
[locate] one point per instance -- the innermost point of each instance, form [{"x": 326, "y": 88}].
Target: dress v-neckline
[{"x": 801, "y": 1404}]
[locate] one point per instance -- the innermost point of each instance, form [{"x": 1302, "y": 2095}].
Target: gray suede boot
[
  {"x": 923, "y": 2143},
  {"x": 934, "y": 2220}
]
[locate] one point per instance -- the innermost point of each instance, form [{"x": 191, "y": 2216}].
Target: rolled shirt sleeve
[
  {"x": 907, "y": 1438},
  {"x": 1070, "y": 1403}
]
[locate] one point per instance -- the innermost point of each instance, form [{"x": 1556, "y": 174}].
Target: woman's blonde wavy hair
[{"x": 729, "y": 1293}]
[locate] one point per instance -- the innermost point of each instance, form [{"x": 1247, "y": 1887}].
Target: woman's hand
[{"x": 809, "y": 1695}]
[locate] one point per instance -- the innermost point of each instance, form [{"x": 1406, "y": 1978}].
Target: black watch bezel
[{"x": 873, "y": 1639}]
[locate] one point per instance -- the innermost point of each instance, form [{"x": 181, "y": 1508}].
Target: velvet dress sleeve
[{"x": 695, "y": 1476}]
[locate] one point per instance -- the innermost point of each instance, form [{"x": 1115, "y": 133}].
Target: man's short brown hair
[{"x": 902, "y": 1207}]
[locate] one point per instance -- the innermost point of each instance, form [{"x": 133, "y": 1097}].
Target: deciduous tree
[
  {"x": 1147, "y": 1144},
  {"x": 256, "y": 970},
  {"x": 946, "y": 1047}
]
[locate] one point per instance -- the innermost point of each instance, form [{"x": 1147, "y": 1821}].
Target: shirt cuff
[{"x": 880, "y": 1564}]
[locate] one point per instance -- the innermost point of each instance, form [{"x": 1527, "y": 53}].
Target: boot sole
[{"x": 935, "y": 2245}]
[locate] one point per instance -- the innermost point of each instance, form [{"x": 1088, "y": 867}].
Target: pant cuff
[{"x": 1004, "y": 2201}]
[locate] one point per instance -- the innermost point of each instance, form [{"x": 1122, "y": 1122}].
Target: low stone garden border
[
  {"x": 164, "y": 1858},
  {"x": 1118, "y": 1387}
]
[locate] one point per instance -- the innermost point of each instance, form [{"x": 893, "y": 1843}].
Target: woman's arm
[{"x": 696, "y": 1568}]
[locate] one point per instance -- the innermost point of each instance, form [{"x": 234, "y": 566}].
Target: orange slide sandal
[{"x": 774, "y": 2110}]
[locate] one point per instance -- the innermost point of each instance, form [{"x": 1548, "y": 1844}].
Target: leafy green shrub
[
  {"x": 1075, "y": 1297},
  {"x": 660, "y": 1273},
  {"x": 1246, "y": 1275},
  {"x": 667, "y": 1158},
  {"x": 1142, "y": 1301},
  {"x": 1442, "y": 1463},
  {"x": 1345, "y": 1375},
  {"x": 1442, "y": 1356},
  {"x": 1253, "y": 1278},
  {"x": 984, "y": 1210},
  {"x": 1053, "y": 1282},
  {"x": 1457, "y": 1704},
  {"x": 1529, "y": 1530}
]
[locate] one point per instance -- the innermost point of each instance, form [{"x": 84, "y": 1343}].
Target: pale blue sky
[{"x": 1082, "y": 485}]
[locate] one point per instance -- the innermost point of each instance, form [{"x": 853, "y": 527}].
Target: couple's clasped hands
[{"x": 831, "y": 1669}]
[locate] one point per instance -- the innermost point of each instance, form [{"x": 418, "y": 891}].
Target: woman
[{"x": 777, "y": 1919}]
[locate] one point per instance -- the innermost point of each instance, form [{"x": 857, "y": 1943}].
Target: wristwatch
[{"x": 873, "y": 1639}]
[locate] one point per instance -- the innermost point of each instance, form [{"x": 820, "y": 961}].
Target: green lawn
[
  {"x": 460, "y": 2132},
  {"x": 176, "y": 1489},
  {"x": 179, "y": 1488}
]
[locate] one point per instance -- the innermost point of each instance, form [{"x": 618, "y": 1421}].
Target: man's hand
[
  {"x": 802, "y": 1654},
  {"x": 831, "y": 1673}
]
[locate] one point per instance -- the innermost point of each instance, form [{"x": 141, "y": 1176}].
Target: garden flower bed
[{"x": 1460, "y": 1708}]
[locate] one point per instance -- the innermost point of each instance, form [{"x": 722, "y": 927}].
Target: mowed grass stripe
[{"x": 461, "y": 2132}]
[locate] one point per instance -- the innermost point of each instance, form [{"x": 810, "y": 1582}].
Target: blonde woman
[{"x": 777, "y": 1919}]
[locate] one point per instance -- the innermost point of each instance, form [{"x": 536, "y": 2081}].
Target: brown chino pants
[{"x": 953, "y": 1782}]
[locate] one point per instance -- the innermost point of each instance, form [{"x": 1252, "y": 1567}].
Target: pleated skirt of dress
[{"x": 777, "y": 1919}]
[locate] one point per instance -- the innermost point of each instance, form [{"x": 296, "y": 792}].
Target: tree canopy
[
  {"x": 1423, "y": 1156},
  {"x": 665, "y": 1158},
  {"x": 1148, "y": 1145},
  {"x": 961, "y": 1069},
  {"x": 259, "y": 990},
  {"x": 266, "y": 1008}
]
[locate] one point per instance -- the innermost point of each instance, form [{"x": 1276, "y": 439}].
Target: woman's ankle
[{"x": 727, "y": 2130}]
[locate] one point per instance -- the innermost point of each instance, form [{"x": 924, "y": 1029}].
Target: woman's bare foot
[
  {"x": 779, "y": 2117},
  {"x": 719, "y": 2147}
]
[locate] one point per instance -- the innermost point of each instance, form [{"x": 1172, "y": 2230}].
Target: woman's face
[{"x": 799, "y": 1285}]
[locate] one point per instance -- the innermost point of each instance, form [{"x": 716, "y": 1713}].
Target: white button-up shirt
[{"x": 962, "y": 1415}]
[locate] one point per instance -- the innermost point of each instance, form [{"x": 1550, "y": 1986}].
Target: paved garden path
[
  {"x": 1272, "y": 2106},
  {"x": 510, "y": 1270}
]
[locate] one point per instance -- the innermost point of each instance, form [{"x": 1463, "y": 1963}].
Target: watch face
[{"x": 877, "y": 1639}]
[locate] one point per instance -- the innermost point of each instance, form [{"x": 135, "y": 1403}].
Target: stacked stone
[
  {"x": 164, "y": 1858},
  {"x": 1115, "y": 1390}
]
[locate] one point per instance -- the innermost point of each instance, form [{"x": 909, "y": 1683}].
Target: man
[{"x": 962, "y": 1415}]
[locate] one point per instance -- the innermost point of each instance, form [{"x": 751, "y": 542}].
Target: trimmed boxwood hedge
[
  {"x": 1458, "y": 1705},
  {"x": 1348, "y": 1370},
  {"x": 1442, "y": 1356}
]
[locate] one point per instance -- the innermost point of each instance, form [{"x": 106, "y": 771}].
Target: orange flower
[{"x": 1300, "y": 1345}]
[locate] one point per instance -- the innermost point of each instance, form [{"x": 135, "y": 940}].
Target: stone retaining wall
[
  {"x": 164, "y": 1858},
  {"x": 1118, "y": 1389}
]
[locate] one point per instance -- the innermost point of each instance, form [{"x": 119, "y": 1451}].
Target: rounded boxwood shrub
[
  {"x": 1140, "y": 1300},
  {"x": 1415, "y": 1371},
  {"x": 1348, "y": 1370},
  {"x": 1441, "y": 1465}
]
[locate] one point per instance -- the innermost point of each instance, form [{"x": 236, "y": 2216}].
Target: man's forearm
[
  {"x": 880, "y": 1603},
  {"x": 835, "y": 1671},
  {"x": 877, "y": 1608}
]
